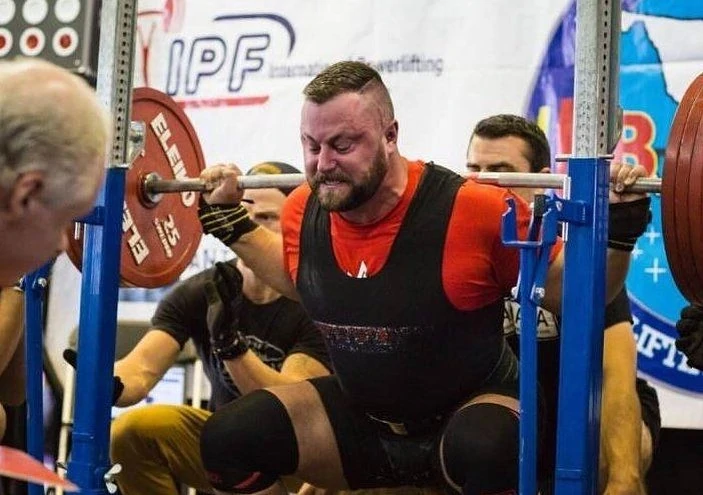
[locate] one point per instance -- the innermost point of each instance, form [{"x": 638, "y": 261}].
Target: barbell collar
[{"x": 154, "y": 185}]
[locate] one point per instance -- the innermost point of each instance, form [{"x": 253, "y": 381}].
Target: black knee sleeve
[
  {"x": 480, "y": 450},
  {"x": 248, "y": 444}
]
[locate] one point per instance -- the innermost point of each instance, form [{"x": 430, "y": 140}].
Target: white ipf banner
[{"x": 239, "y": 67}]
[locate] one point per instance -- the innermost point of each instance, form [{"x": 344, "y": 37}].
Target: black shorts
[
  {"x": 378, "y": 454},
  {"x": 651, "y": 415}
]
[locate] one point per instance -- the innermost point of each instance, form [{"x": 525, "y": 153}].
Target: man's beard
[{"x": 359, "y": 193}]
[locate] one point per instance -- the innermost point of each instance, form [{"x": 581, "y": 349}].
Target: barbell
[
  {"x": 154, "y": 186},
  {"x": 161, "y": 230}
]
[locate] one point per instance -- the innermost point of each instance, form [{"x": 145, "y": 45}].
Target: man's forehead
[
  {"x": 500, "y": 154},
  {"x": 349, "y": 109},
  {"x": 506, "y": 146}
]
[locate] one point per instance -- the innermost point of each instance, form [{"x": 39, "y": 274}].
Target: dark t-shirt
[{"x": 273, "y": 331}]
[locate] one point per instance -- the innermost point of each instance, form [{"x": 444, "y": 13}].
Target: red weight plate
[
  {"x": 695, "y": 212},
  {"x": 669, "y": 180},
  {"x": 159, "y": 238},
  {"x": 687, "y": 271}
]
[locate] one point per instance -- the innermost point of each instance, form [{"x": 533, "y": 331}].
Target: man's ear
[
  {"x": 392, "y": 132},
  {"x": 26, "y": 188},
  {"x": 545, "y": 170}
]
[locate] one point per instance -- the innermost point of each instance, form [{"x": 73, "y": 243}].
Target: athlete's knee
[
  {"x": 479, "y": 449},
  {"x": 133, "y": 431},
  {"x": 248, "y": 444}
]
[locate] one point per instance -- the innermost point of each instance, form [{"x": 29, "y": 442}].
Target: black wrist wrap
[
  {"x": 626, "y": 222},
  {"x": 226, "y": 222}
]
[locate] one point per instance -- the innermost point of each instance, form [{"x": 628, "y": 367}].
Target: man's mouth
[{"x": 332, "y": 183}]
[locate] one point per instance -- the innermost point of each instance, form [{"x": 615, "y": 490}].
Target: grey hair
[{"x": 52, "y": 122}]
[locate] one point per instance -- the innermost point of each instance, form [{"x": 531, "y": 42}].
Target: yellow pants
[{"x": 159, "y": 449}]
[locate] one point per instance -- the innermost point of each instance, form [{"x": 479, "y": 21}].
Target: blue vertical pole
[
  {"x": 534, "y": 260},
  {"x": 578, "y": 418},
  {"x": 595, "y": 135},
  {"x": 34, "y": 291},
  {"x": 528, "y": 375},
  {"x": 90, "y": 460},
  {"x": 96, "y": 340}
]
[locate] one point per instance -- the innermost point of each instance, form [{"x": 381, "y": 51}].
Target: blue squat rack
[{"x": 584, "y": 214}]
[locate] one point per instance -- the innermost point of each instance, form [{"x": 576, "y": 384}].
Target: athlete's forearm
[
  {"x": 145, "y": 365},
  {"x": 618, "y": 262},
  {"x": 134, "y": 391},
  {"x": 262, "y": 251}
]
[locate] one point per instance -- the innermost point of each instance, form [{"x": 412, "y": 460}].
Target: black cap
[{"x": 273, "y": 168}]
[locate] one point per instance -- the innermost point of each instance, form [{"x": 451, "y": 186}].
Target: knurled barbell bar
[
  {"x": 161, "y": 230},
  {"x": 154, "y": 185}
]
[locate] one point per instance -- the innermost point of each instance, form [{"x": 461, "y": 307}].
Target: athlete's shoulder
[
  {"x": 483, "y": 197},
  {"x": 415, "y": 166},
  {"x": 295, "y": 202},
  {"x": 300, "y": 194}
]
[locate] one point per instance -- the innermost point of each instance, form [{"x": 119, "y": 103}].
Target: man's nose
[{"x": 326, "y": 160}]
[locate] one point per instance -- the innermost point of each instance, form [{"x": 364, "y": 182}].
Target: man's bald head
[{"x": 51, "y": 122}]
